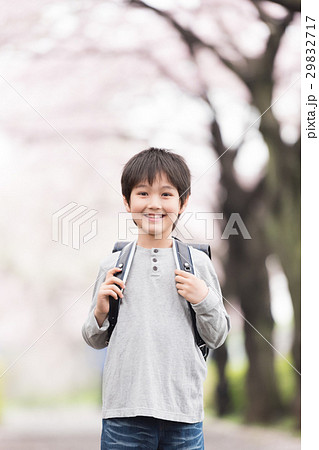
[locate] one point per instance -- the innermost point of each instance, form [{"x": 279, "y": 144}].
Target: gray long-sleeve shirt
[{"x": 153, "y": 366}]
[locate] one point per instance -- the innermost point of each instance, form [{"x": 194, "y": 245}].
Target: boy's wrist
[
  {"x": 201, "y": 298},
  {"x": 100, "y": 317}
]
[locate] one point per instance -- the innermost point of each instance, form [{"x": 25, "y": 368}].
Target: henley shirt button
[
  {"x": 154, "y": 268},
  {"x": 155, "y": 250},
  {"x": 154, "y": 260}
]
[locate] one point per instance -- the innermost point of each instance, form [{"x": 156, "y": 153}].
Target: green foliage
[
  {"x": 286, "y": 377},
  {"x": 237, "y": 386},
  {"x": 236, "y": 376},
  {"x": 236, "y": 379},
  {"x": 80, "y": 397},
  {"x": 209, "y": 388}
]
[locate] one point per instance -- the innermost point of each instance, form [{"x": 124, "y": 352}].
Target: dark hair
[{"x": 148, "y": 164}]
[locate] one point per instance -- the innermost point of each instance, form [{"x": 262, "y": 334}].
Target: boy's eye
[{"x": 144, "y": 194}]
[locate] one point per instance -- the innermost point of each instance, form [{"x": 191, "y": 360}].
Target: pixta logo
[
  {"x": 203, "y": 222},
  {"x": 70, "y": 224}
]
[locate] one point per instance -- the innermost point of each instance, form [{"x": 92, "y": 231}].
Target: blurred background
[{"x": 84, "y": 86}]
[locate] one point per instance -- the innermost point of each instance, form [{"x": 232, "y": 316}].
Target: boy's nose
[{"x": 154, "y": 202}]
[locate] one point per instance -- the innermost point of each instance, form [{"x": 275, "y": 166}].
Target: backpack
[{"x": 183, "y": 259}]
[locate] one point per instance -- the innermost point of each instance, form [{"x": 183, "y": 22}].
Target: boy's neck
[{"x": 149, "y": 241}]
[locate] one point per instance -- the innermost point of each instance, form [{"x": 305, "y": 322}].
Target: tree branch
[{"x": 190, "y": 39}]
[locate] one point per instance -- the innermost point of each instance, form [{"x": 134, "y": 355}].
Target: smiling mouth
[{"x": 155, "y": 216}]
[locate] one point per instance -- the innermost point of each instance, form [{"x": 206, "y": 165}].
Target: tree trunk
[
  {"x": 246, "y": 264},
  {"x": 284, "y": 228},
  {"x": 247, "y": 278}
]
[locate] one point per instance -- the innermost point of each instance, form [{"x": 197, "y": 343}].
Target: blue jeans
[{"x": 150, "y": 433}]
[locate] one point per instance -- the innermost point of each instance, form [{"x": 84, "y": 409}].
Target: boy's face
[{"x": 155, "y": 207}]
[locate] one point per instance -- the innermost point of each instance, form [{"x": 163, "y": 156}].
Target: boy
[{"x": 154, "y": 371}]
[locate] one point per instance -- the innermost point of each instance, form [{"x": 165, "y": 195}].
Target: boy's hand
[
  {"x": 112, "y": 285},
  {"x": 190, "y": 287}
]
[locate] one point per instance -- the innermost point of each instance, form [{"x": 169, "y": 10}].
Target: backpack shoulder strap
[
  {"x": 183, "y": 258},
  {"x": 124, "y": 262}
]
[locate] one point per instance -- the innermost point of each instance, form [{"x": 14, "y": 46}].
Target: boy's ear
[
  {"x": 127, "y": 206},
  {"x": 182, "y": 209}
]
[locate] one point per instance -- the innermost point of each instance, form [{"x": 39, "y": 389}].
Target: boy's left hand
[{"x": 190, "y": 287}]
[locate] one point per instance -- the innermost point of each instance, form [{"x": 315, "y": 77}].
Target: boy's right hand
[{"x": 112, "y": 285}]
